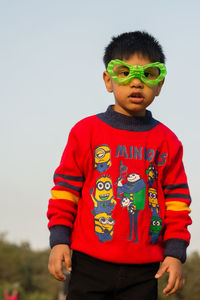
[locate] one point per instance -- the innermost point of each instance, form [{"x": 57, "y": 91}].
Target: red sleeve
[
  {"x": 177, "y": 195},
  {"x": 68, "y": 180}
]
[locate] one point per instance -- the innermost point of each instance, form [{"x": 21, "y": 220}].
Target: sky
[{"x": 51, "y": 76}]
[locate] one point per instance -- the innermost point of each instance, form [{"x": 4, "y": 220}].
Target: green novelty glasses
[{"x": 150, "y": 74}]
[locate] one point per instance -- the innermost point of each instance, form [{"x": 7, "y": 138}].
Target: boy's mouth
[{"x": 136, "y": 97}]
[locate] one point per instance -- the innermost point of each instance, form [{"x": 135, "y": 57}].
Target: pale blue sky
[{"x": 51, "y": 76}]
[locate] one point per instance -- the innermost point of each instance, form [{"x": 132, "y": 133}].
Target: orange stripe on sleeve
[
  {"x": 64, "y": 195},
  {"x": 176, "y": 206}
]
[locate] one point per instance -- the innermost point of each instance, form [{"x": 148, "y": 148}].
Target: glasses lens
[
  {"x": 107, "y": 186},
  {"x": 111, "y": 221},
  {"x": 103, "y": 220},
  {"x": 121, "y": 71},
  {"x": 100, "y": 153},
  {"x": 100, "y": 186},
  {"x": 152, "y": 73}
]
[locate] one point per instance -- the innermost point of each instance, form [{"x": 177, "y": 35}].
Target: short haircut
[{"x": 126, "y": 44}]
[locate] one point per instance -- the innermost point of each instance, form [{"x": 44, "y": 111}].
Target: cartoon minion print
[
  {"x": 103, "y": 198},
  {"x": 152, "y": 174},
  {"x": 155, "y": 228},
  {"x": 104, "y": 226},
  {"x": 153, "y": 202},
  {"x": 102, "y": 158},
  {"x": 129, "y": 203}
]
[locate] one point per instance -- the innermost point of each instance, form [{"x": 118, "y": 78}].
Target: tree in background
[{"x": 28, "y": 268}]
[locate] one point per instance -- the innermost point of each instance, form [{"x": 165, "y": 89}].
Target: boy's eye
[
  {"x": 126, "y": 73},
  {"x": 152, "y": 73},
  {"x": 121, "y": 71}
]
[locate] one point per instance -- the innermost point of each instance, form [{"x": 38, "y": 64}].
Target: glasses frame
[{"x": 136, "y": 71}]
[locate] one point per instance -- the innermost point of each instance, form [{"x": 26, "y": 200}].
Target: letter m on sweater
[{"x": 121, "y": 151}]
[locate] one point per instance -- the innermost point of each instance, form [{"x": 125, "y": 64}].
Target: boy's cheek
[{"x": 159, "y": 87}]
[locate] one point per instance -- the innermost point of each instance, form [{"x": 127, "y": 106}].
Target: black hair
[{"x": 126, "y": 44}]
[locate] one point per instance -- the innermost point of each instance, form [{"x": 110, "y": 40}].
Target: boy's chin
[{"x": 136, "y": 110}]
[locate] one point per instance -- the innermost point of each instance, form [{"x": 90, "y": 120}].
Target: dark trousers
[{"x": 93, "y": 279}]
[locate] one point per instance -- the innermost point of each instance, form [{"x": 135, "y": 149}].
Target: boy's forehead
[{"x": 137, "y": 59}]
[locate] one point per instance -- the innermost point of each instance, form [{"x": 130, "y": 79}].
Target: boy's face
[{"x": 131, "y": 99}]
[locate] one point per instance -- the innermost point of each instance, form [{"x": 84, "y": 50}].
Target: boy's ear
[
  {"x": 159, "y": 87},
  {"x": 107, "y": 81}
]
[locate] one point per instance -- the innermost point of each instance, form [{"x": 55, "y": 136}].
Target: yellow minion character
[
  {"x": 102, "y": 158},
  {"x": 152, "y": 174},
  {"x": 153, "y": 201},
  {"x": 103, "y": 199},
  {"x": 104, "y": 226},
  {"x": 103, "y": 191}
]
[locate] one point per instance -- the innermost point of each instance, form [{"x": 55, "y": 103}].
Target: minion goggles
[{"x": 123, "y": 72}]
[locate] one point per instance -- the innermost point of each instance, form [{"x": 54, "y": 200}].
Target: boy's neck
[
  {"x": 128, "y": 113},
  {"x": 124, "y": 122}
]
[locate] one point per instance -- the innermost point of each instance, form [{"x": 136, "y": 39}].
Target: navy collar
[{"x": 123, "y": 122}]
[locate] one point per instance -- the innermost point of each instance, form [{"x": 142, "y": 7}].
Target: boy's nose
[{"x": 136, "y": 82}]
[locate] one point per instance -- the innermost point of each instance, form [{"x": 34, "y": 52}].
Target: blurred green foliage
[
  {"x": 191, "y": 291},
  {"x": 21, "y": 266},
  {"x": 26, "y": 269}
]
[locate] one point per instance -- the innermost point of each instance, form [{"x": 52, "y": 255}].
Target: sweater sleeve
[
  {"x": 65, "y": 194},
  {"x": 177, "y": 201}
]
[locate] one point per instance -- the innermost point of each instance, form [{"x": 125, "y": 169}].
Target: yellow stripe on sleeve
[
  {"x": 64, "y": 195},
  {"x": 176, "y": 206}
]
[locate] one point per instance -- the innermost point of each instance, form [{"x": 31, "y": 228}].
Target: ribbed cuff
[
  {"x": 59, "y": 234},
  {"x": 176, "y": 248}
]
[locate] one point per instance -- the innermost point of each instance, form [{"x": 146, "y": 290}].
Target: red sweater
[{"x": 121, "y": 193}]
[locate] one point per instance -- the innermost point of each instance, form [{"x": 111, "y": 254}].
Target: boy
[{"x": 121, "y": 198}]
